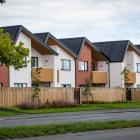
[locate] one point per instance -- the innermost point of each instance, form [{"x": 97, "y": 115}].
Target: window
[
  {"x": 66, "y": 85},
  {"x": 138, "y": 67},
  {"x": 66, "y": 64},
  {"x": 20, "y": 84},
  {"x": 34, "y": 62},
  {"x": 1, "y": 84},
  {"x": 83, "y": 65},
  {"x": 138, "y": 86}
]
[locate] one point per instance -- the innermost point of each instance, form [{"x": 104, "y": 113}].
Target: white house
[
  {"x": 122, "y": 54},
  {"x": 23, "y": 77},
  {"x": 63, "y": 65}
]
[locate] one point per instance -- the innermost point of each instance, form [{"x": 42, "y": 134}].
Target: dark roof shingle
[
  {"x": 42, "y": 36},
  {"x": 73, "y": 44},
  {"x": 115, "y": 50},
  {"x": 13, "y": 31}
]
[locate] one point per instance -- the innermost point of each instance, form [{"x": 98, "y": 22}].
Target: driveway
[
  {"x": 119, "y": 134},
  {"x": 69, "y": 117}
]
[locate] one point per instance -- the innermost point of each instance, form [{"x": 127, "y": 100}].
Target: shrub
[
  {"x": 61, "y": 104},
  {"x": 31, "y": 105},
  {"x": 54, "y": 104}
]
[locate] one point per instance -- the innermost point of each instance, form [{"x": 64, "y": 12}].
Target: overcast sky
[{"x": 98, "y": 20}]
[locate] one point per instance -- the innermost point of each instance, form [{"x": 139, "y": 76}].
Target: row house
[
  {"x": 24, "y": 77},
  {"x": 122, "y": 54},
  {"x": 88, "y": 62},
  {"x": 63, "y": 65}
]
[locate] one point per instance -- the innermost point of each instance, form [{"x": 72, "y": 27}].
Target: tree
[
  {"x": 36, "y": 90},
  {"x": 2, "y": 1},
  {"x": 124, "y": 74},
  {"x": 11, "y": 54}
]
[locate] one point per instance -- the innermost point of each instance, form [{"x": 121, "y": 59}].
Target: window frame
[
  {"x": 20, "y": 84},
  {"x": 138, "y": 64},
  {"x": 85, "y": 62},
  {"x": 62, "y": 64},
  {"x": 36, "y": 62},
  {"x": 66, "y": 85}
]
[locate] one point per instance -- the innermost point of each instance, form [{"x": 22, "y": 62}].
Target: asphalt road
[
  {"x": 119, "y": 134},
  {"x": 68, "y": 117}
]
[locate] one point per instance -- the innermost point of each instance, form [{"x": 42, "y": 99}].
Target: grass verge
[
  {"x": 83, "y": 107},
  {"x": 33, "y": 131}
]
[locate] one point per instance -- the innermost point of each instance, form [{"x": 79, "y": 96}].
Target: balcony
[
  {"x": 131, "y": 78},
  {"x": 99, "y": 77},
  {"x": 46, "y": 74}
]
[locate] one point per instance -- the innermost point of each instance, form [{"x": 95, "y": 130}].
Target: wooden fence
[
  {"x": 14, "y": 96},
  {"x": 103, "y": 95},
  {"x": 135, "y": 94}
]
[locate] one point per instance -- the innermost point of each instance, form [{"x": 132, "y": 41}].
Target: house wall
[
  {"x": 22, "y": 75},
  {"x": 104, "y": 66},
  {"x": 136, "y": 60},
  {"x": 130, "y": 61},
  {"x": 43, "y": 60},
  {"x": 115, "y": 74},
  {"x": 4, "y": 76},
  {"x": 85, "y": 55},
  {"x": 62, "y": 76}
]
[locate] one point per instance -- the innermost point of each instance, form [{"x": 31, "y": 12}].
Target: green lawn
[
  {"x": 42, "y": 130},
  {"x": 83, "y": 107}
]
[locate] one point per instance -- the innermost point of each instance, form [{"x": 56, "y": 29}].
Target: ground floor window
[
  {"x": 34, "y": 85},
  {"x": 138, "y": 86},
  {"x": 66, "y": 85},
  {"x": 1, "y": 84},
  {"x": 20, "y": 84}
]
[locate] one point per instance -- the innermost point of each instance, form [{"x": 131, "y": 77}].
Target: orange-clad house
[{"x": 89, "y": 62}]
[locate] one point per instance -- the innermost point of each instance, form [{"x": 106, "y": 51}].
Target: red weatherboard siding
[
  {"x": 85, "y": 55},
  {"x": 4, "y": 75}
]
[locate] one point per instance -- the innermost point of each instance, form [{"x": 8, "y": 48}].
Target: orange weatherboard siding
[
  {"x": 4, "y": 75},
  {"x": 85, "y": 55}
]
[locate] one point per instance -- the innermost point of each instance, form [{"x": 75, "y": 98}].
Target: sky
[{"x": 98, "y": 20}]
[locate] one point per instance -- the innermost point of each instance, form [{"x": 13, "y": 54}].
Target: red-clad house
[
  {"x": 86, "y": 62},
  {"x": 4, "y": 76}
]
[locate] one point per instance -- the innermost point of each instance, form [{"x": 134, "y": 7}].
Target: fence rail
[
  {"x": 14, "y": 96},
  {"x": 10, "y": 97},
  {"x": 103, "y": 95}
]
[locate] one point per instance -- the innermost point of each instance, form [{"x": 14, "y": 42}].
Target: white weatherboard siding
[
  {"x": 130, "y": 61},
  {"x": 103, "y": 66},
  {"x": 65, "y": 77},
  {"x": 115, "y": 74},
  {"x": 43, "y": 60},
  {"x": 136, "y": 60},
  {"x": 23, "y": 75}
]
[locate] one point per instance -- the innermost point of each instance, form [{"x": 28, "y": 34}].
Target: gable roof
[
  {"x": 115, "y": 50},
  {"x": 45, "y": 36},
  {"x": 138, "y": 47},
  {"x": 76, "y": 44},
  {"x": 15, "y": 31}
]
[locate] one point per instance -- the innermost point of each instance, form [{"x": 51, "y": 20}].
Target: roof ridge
[
  {"x": 72, "y": 38},
  {"x": 42, "y": 33},
  {"x": 111, "y": 41}
]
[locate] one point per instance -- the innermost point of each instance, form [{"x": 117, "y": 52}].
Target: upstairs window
[
  {"x": 138, "y": 67},
  {"x": 83, "y": 65},
  {"x": 34, "y": 61},
  {"x": 66, "y": 65}
]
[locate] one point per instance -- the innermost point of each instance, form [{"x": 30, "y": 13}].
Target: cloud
[{"x": 98, "y": 20}]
